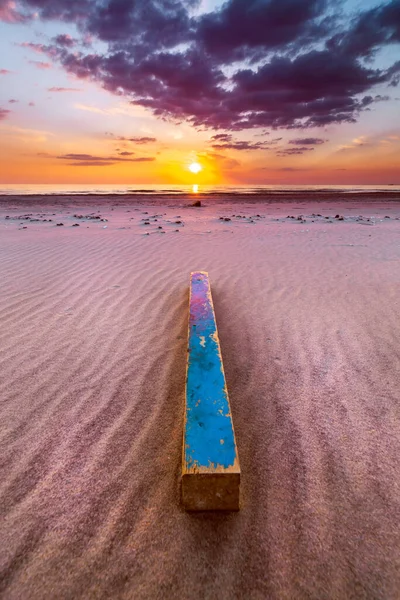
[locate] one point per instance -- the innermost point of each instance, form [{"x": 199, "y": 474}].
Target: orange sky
[{"x": 58, "y": 128}]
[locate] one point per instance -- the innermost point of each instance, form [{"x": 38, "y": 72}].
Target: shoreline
[{"x": 212, "y": 199}]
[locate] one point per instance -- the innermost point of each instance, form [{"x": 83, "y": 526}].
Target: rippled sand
[{"x": 92, "y": 372}]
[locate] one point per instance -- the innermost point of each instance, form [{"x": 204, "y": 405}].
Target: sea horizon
[{"x": 57, "y": 189}]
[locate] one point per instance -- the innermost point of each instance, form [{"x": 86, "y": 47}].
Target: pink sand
[{"x": 92, "y": 372}]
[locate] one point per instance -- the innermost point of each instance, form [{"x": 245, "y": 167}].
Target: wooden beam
[{"x": 210, "y": 465}]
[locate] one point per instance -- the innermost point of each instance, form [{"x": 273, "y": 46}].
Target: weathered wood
[{"x": 210, "y": 465}]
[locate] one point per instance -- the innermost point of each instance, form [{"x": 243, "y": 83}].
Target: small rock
[
  {"x": 159, "y": 227},
  {"x": 197, "y": 203},
  {"x": 60, "y": 224},
  {"x": 227, "y": 219},
  {"x": 75, "y": 225},
  {"x": 178, "y": 223}
]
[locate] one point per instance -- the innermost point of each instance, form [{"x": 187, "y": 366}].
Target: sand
[{"x": 92, "y": 372}]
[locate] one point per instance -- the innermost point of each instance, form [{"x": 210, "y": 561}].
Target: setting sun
[{"x": 195, "y": 167}]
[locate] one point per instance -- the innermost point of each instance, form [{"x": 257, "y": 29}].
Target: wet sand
[{"x": 92, "y": 372}]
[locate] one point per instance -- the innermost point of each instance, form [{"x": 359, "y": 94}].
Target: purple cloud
[
  {"x": 139, "y": 140},
  {"x": 64, "y": 40},
  {"x": 90, "y": 160},
  {"x": 4, "y": 113},
  {"x": 307, "y": 141},
  {"x": 13, "y": 101},
  {"x": 226, "y": 141},
  {"x": 9, "y": 14},
  {"x": 293, "y": 151},
  {"x": 300, "y": 65},
  {"x": 242, "y": 30},
  {"x": 370, "y": 30}
]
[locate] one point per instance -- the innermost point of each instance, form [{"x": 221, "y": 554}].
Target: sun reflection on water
[{"x": 195, "y": 188}]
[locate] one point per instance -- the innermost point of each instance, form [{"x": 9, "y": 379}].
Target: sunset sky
[{"x": 256, "y": 91}]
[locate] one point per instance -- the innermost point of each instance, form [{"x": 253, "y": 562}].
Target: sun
[{"x": 195, "y": 167}]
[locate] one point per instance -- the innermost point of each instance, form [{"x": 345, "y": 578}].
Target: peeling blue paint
[{"x": 209, "y": 438}]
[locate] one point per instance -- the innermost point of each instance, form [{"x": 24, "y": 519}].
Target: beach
[{"x": 93, "y": 343}]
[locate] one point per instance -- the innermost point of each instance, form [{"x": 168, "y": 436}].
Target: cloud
[
  {"x": 40, "y": 65},
  {"x": 293, "y": 151},
  {"x": 226, "y": 141},
  {"x": 13, "y": 101},
  {"x": 307, "y": 141},
  {"x": 139, "y": 139},
  {"x": 39, "y": 48},
  {"x": 90, "y": 157},
  {"x": 4, "y": 113},
  {"x": 5, "y": 72},
  {"x": 64, "y": 89},
  {"x": 31, "y": 104},
  {"x": 9, "y": 13},
  {"x": 90, "y": 160},
  {"x": 246, "y": 64},
  {"x": 370, "y": 30},
  {"x": 289, "y": 169},
  {"x": 248, "y": 29},
  {"x": 64, "y": 39}
]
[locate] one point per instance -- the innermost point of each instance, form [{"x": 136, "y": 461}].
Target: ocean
[{"x": 168, "y": 190}]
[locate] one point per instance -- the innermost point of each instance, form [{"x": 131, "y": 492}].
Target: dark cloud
[
  {"x": 101, "y": 159},
  {"x": 226, "y": 141},
  {"x": 126, "y": 153},
  {"x": 64, "y": 89},
  {"x": 290, "y": 169},
  {"x": 293, "y": 151},
  {"x": 13, "y": 101},
  {"x": 64, "y": 40},
  {"x": 301, "y": 66},
  {"x": 247, "y": 29},
  {"x": 90, "y": 160},
  {"x": 368, "y": 31},
  {"x": 139, "y": 140},
  {"x": 134, "y": 140},
  {"x": 86, "y": 160},
  {"x": 4, "y": 113},
  {"x": 307, "y": 141}
]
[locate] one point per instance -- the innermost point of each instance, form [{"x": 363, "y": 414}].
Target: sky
[{"x": 255, "y": 91}]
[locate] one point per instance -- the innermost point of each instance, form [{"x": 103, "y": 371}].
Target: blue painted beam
[{"x": 210, "y": 466}]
